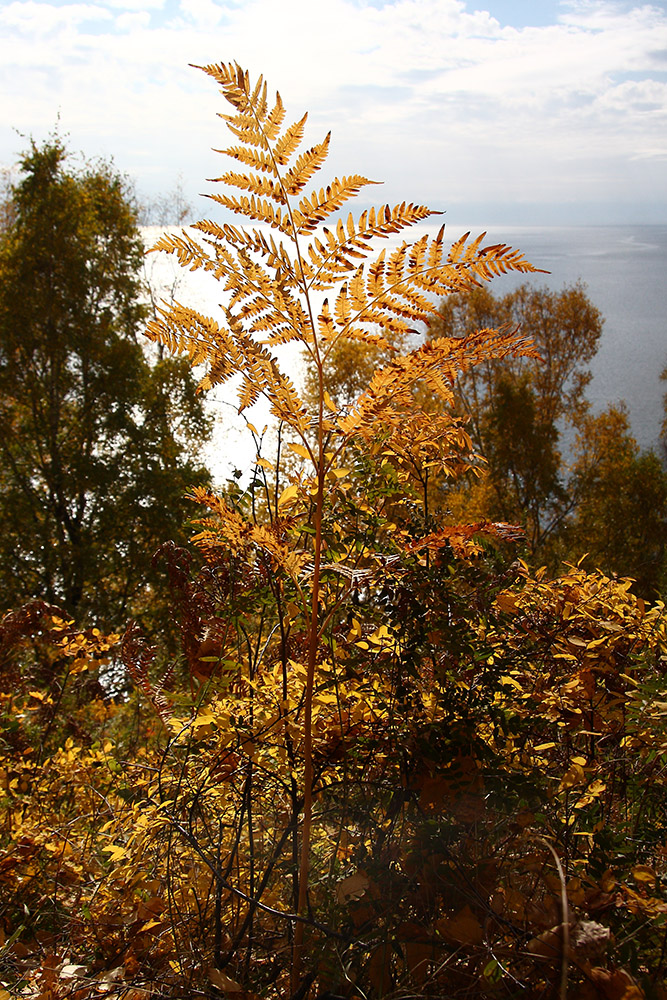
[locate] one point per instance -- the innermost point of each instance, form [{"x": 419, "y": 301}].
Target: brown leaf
[
  {"x": 352, "y": 887},
  {"x": 463, "y": 928},
  {"x": 616, "y": 984},
  {"x": 222, "y": 981}
]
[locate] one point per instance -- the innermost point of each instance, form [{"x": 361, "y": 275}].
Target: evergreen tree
[{"x": 97, "y": 445}]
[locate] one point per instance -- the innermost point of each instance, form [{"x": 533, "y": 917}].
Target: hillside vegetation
[{"x": 369, "y": 752}]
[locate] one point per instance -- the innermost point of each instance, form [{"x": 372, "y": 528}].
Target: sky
[{"x": 525, "y": 112}]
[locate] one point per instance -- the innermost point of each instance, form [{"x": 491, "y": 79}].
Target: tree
[
  {"x": 620, "y": 521},
  {"x": 604, "y": 500},
  {"x": 518, "y": 407},
  {"x": 97, "y": 446}
]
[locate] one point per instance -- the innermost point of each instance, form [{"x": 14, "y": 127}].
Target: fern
[
  {"x": 270, "y": 287},
  {"x": 270, "y": 275}
]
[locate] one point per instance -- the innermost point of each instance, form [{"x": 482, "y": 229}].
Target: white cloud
[
  {"x": 205, "y": 14},
  {"x": 32, "y": 19},
  {"x": 131, "y": 21},
  {"x": 423, "y": 91},
  {"x": 136, "y": 5}
]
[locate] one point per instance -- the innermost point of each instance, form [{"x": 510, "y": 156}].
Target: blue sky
[{"x": 495, "y": 111}]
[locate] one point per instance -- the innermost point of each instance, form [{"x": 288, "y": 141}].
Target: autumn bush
[{"x": 390, "y": 760}]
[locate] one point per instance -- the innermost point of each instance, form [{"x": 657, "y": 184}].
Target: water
[{"x": 624, "y": 269}]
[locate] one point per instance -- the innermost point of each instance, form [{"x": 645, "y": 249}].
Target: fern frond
[
  {"x": 261, "y": 186},
  {"x": 254, "y": 240},
  {"x": 351, "y": 242},
  {"x": 500, "y": 259},
  {"x": 251, "y": 157},
  {"x": 255, "y": 208},
  {"x": 360, "y": 335},
  {"x": 185, "y": 331},
  {"x": 437, "y": 365},
  {"x": 306, "y": 166},
  {"x": 227, "y": 529},
  {"x": 190, "y": 254},
  {"x": 275, "y": 119},
  {"x": 288, "y": 143},
  {"x": 245, "y": 127},
  {"x": 315, "y": 209}
]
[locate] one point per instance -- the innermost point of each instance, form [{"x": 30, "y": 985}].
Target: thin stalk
[{"x": 313, "y": 643}]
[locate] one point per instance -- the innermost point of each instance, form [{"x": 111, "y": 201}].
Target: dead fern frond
[
  {"x": 436, "y": 365},
  {"x": 269, "y": 273}
]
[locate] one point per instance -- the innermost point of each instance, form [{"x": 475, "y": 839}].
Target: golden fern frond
[
  {"x": 275, "y": 119},
  {"x": 226, "y": 526},
  {"x": 326, "y": 326},
  {"x": 185, "y": 331},
  {"x": 403, "y": 289},
  {"x": 317, "y": 207},
  {"x": 361, "y": 335},
  {"x": 190, "y": 254},
  {"x": 227, "y": 529},
  {"x": 306, "y": 166},
  {"x": 232, "y": 80},
  {"x": 488, "y": 262},
  {"x": 254, "y": 124},
  {"x": 269, "y": 298},
  {"x": 392, "y": 293},
  {"x": 251, "y": 157},
  {"x": 436, "y": 364},
  {"x": 500, "y": 259},
  {"x": 261, "y": 376},
  {"x": 254, "y": 240},
  {"x": 331, "y": 263},
  {"x": 255, "y": 208},
  {"x": 245, "y": 127},
  {"x": 288, "y": 143},
  {"x": 261, "y": 186}
]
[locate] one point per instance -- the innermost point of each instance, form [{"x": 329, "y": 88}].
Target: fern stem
[{"x": 313, "y": 641}]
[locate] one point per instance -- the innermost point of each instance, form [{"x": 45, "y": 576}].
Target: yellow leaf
[
  {"x": 288, "y": 494},
  {"x": 643, "y": 874},
  {"x": 506, "y": 601},
  {"x": 115, "y": 853},
  {"x": 355, "y": 632},
  {"x": 300, "y": 449},
  {"x": 264, "y": 463},
  {"x": 573, "y": 776}
]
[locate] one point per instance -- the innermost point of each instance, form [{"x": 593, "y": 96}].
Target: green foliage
[
  {"x": 97, "y": 446},
  {"x": 621, "y": 517}
]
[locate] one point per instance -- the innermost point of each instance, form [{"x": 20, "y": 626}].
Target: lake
[
  {"x": 625, "y": 271},
  {"x": 623, "y": 267}
]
